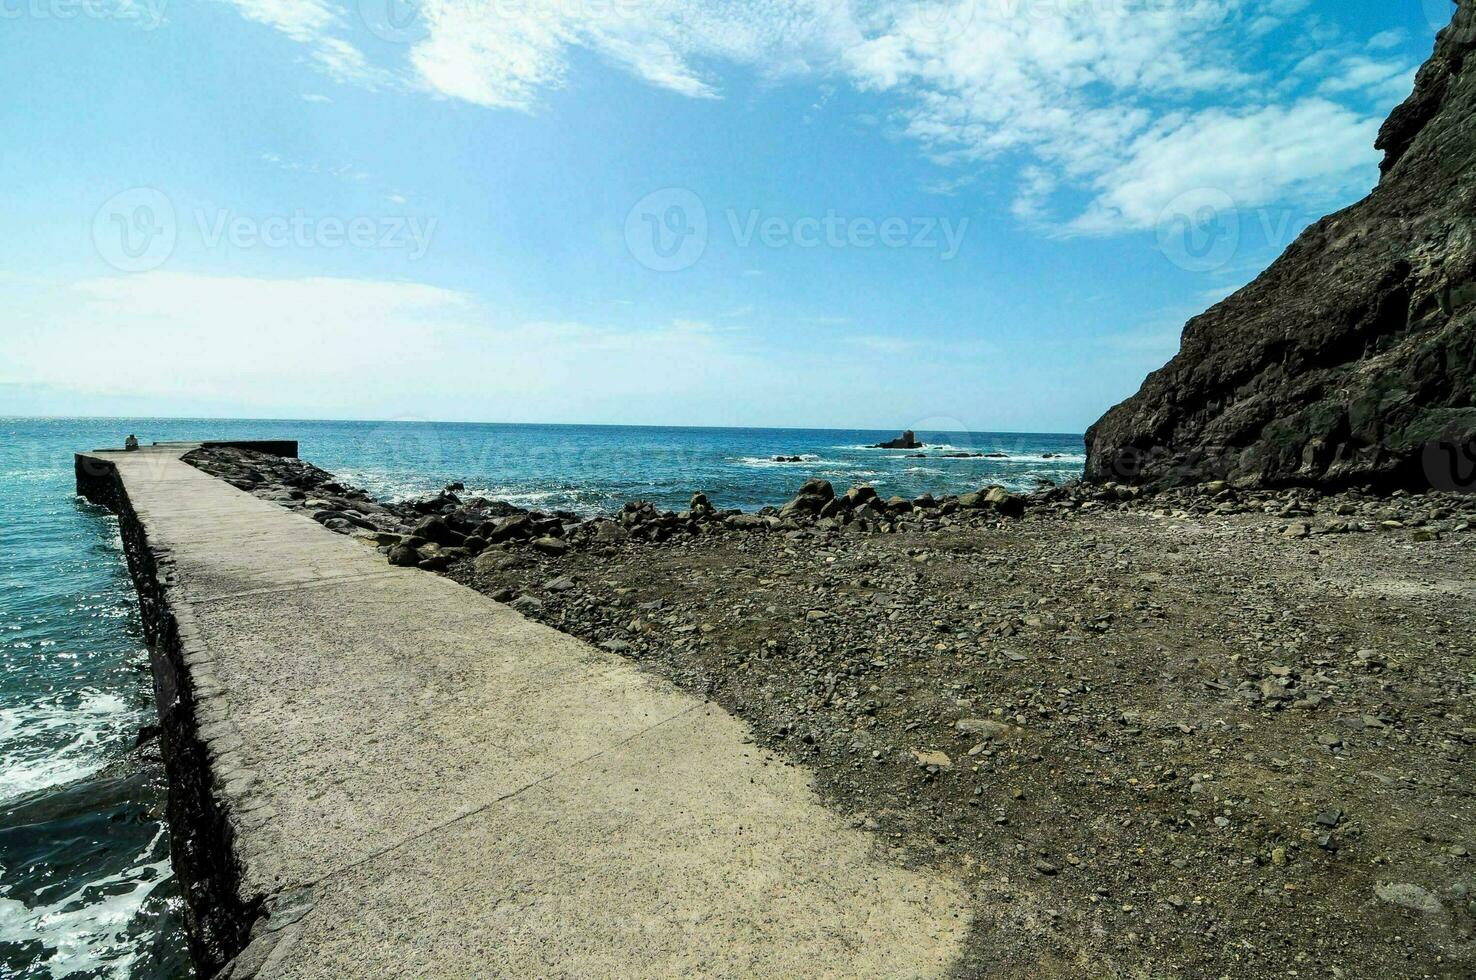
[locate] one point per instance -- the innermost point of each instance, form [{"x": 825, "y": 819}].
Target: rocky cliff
[{"x": 1352, "y": 359}]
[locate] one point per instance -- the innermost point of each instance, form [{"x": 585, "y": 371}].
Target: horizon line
[{"x": 567, "y": 425}]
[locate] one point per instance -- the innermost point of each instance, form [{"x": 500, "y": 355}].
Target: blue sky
[{"x": 982, "y": 214}]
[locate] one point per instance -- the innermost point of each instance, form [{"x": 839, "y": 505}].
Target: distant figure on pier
[{"x": 130, "y": 443}]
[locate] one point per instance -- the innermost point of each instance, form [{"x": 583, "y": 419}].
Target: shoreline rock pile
[{"x": 434, "y": 532}]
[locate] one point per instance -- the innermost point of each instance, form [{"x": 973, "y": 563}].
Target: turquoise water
[{"x": 85, "y": 886}]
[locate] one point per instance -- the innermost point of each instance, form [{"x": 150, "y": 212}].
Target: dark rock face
[
  {"x": 1352, "y": 359},
  {"x": 908, "y": 440}
]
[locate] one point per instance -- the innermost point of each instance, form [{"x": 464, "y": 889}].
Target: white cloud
[
  {"x": 301, "y": 20},
  {"x": 1257, "y": 157},
  {"x": 344, "y": 171},
  {"x": 317, "y": 24},
  {"x": 1384, "y": 40},
  {"x": 504, "y": 55},
  {"x": 169, "y": 343},
  {"x": 1130, "y": 103},
  {"x": 345, "y": 347},
  {"x": 1116, "y": 99},
  {"x": 1384, "y": 80}
]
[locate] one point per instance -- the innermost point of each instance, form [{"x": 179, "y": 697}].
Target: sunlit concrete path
[{"x": 415, "y": 781}]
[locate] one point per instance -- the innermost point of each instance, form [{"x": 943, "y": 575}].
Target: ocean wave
[
  {"x": 926, "y": 447},
  {"x": 33, "y": 761},
  {"x": 531, "y": 499},
  {"x": 804, "y": 460},
  {"x": 87, "y": 932},
  {"x": 1062, "y": 459},
  {"x": 1010, "y": 453},
  {"x": 581, "y": 501}
]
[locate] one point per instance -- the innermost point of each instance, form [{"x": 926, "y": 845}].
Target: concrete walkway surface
[{"x": 422, "y": 783}]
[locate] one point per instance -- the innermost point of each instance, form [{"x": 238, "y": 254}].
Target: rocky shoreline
[
  {"x": 434, "y": 532},
  {"x": 1206, "y": 732}
]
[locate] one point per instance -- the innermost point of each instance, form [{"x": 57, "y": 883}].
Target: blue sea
[{"x": 85, "y": 882}]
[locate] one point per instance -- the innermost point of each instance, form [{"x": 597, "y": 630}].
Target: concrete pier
[{"x": 376, "y": 772}]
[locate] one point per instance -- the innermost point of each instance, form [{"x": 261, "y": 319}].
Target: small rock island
[{"x": 908, "y": 440}]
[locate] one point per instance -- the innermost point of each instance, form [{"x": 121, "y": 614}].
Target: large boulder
[
  {"x": 515, "y": 528},
  {"x": 551, "y": 546},
  {"x": 436, "y": 530},
  {"x": 817, "y": 487},
  {"x": 811, "y": 499},
  {"x": 1352, "y": 359},
  {"x": 1001, "y": 500},
  {"x": 404, "y": 556}
]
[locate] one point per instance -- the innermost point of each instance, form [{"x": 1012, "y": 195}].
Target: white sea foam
[
  {"x": 86, "y": 932},
  {"x": 1011, "y": 455},
  {"x": 32, "y": 761},
  {"x": 809, "y": 461},
  {"x": 530, "y": 499},
  {"x": 1062, "y": 459},
  {"x": 571, "y": 499}
]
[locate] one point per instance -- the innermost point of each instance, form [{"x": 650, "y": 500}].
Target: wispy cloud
[
  {"x": 344, "y": 171},
  {"x": 320, "y": 25},
  {"x": 1105, "y": 111},
  {"x": 349, "y": 337},
  {"x": 1311, "y": 150}
]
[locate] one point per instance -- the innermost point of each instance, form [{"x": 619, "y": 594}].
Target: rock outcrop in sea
[
  {"x": 1352, "y": 359},
  {"x": 907, "y": 440}
]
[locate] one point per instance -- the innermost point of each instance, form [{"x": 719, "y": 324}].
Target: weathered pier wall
[{"x": 218, "y": 922}]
